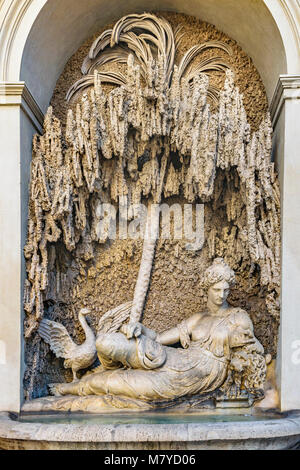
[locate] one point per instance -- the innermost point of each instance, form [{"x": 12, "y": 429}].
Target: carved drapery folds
[{"x": 118, "y": 147}]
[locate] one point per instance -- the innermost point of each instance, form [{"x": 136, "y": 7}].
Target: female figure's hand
[{"x": 132, "y": 330}]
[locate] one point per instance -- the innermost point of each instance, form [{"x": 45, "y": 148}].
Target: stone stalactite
[{"x": 117, "y": 147}]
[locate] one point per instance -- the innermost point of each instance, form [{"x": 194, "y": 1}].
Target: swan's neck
[{"x": 87, "y": 330}]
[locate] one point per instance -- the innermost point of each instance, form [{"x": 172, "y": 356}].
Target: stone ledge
[
  {"x": 288, "y": 88},
  {"x": 274, "y": 434},
  {"x": 17, "y": 93}
]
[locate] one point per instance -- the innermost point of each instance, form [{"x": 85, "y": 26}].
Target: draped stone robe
[{"x": 163, "y": 372}]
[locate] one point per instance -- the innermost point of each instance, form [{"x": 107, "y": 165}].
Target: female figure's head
[{"x": 218, "y": 279}]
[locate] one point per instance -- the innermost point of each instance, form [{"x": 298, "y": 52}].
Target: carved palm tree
[
  {"x": 159, "y": 108},
  {"x": 150, "y": 42}
]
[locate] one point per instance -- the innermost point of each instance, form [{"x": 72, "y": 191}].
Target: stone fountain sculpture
[
  {"x": 157, "y": 109},
  {"x": 138, "y": 363}
]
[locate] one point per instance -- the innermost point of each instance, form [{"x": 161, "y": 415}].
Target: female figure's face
[{"x": 218, "y": 293}]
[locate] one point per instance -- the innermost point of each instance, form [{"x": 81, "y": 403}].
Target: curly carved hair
[{"x": 217, "y": 272}]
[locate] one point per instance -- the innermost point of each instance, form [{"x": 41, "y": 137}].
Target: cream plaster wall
[
  {"x": 289, "y": 377},
  {"x": 10, "y": 262}
]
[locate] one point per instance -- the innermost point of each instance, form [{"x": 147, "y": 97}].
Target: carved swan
[{"x": 76, "y": 356}]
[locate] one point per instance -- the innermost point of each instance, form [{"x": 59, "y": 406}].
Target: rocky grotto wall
[{"x": 103, "y": 275}]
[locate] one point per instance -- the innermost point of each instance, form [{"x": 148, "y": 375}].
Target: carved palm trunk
[
  {"x": 149, "y": 248},
  {"x": 143, "y": 280}
]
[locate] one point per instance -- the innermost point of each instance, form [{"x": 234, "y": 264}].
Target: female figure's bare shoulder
[
  {"x": 240, "y": 317},
  {"x": 194, "y": 320}
]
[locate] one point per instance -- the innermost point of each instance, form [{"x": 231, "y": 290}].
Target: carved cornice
[
  {"x": 288, "y": 88},
  {"x": 17, "y": 94}
]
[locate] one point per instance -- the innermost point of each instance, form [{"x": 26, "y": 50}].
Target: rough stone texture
[
  {"x": 103, "y": 276},
  {"x": 272, "y": 434}
]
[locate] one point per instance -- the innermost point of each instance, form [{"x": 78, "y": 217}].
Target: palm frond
[
  {"x": 149, "y": 39},
  {"x": 192, "y": 53},
  {"x": 158, "y": 32},
  {"x": 100, "y": 43},
  {"x": 217, "y": 64},
  {"x": 146, "y": 35},
  {"x": 212, "y": 92},
  {"x": 178, "y": 35},
  {"x": 140, "y": 48},
  {"x": 117, "y": 54},
  {"x": 114, "y": 78}
]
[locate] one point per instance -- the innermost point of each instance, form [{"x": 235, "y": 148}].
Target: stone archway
[{"x": 38, "y": 37}]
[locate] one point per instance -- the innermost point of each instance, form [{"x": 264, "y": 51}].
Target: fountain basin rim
[{"x": 269, "y": 429}]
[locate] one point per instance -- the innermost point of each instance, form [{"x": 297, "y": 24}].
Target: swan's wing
[
  {"x": 114, "y": 319},
  {"x": 57, "y": 337}
]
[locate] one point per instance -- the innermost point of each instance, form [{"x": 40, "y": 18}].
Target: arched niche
[{"x": 61, "y": 27}]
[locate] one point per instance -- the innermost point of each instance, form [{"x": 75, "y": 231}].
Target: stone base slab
[
  {"x": 268, "y": 434},
  {"x": 113, "y": 404}
]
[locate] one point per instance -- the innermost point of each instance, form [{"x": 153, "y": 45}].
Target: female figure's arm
[
  {"x": 174, "y": 335},
  {"x": 168, "y": 337}
]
